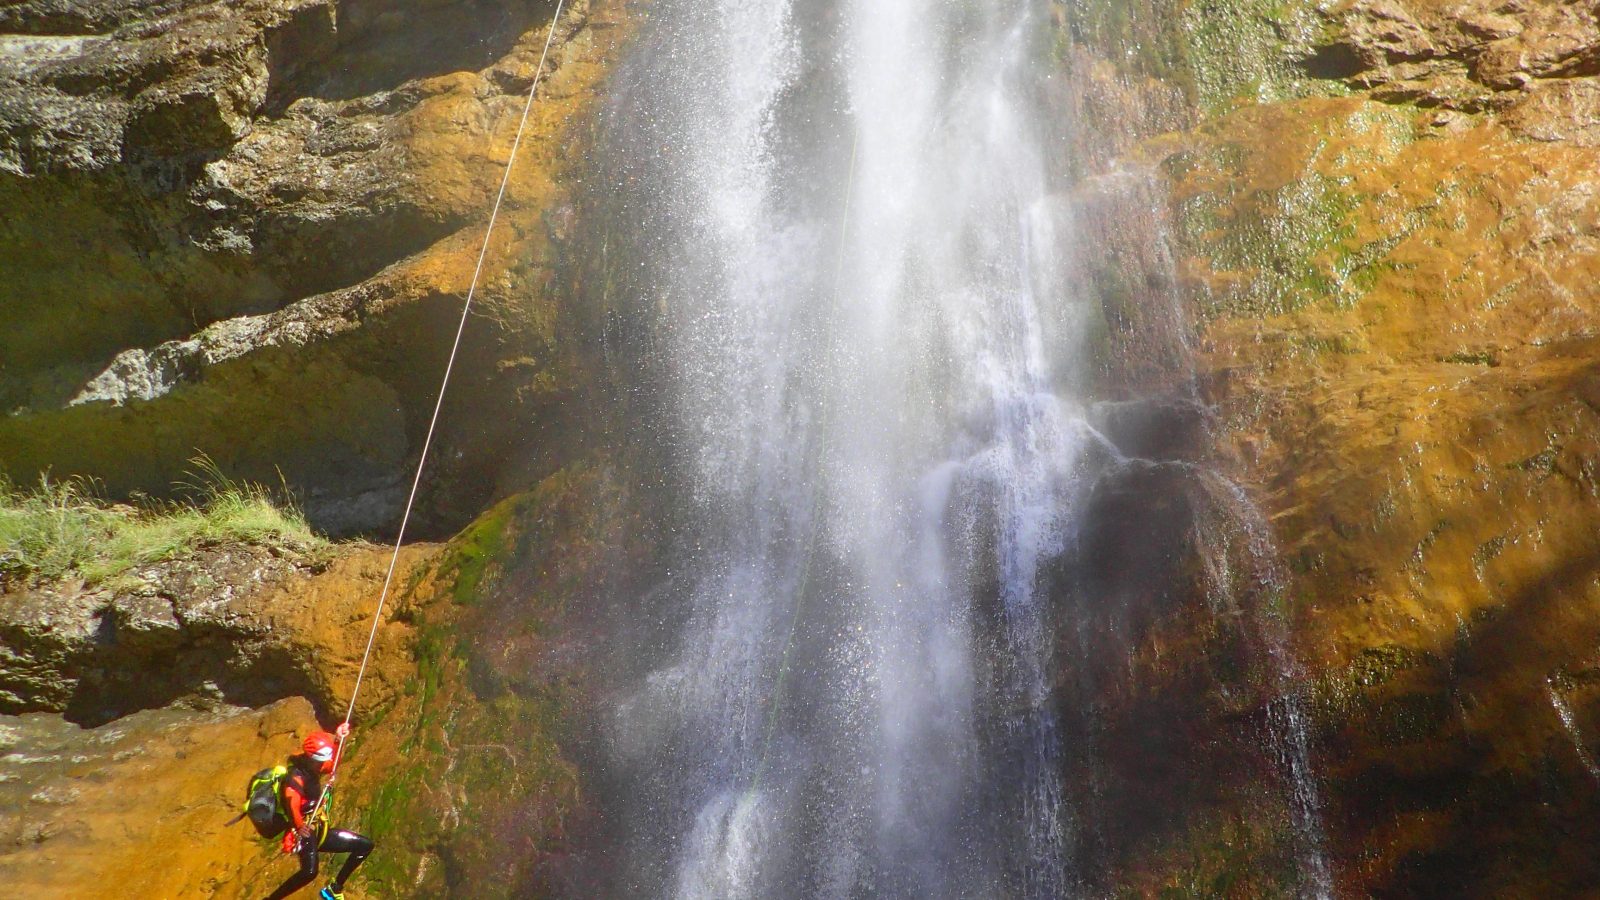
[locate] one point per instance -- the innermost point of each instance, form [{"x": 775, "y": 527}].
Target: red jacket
[{"x": 301, "y": 791}]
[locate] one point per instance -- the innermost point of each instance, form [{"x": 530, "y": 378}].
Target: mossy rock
[{"x": 480, "y": 797}]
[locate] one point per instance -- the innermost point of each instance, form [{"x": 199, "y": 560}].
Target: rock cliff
[
  {"x": 157, "y": 681},
  {"x": 1339, "y": 613},
  {"x": 246, "y": 229},
  {"x": 1370, "y": 264},
  {"x": 469, "y": 762}
]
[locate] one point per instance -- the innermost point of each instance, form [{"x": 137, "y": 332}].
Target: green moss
[
  {"x": 1275, "y": 238},
  {"x": 481, "y": 749},
  {"x": 1470, "y": 358},
  {"x": 1251, "y": 854},
  {"x": 1376, "y": 665},
  {"x": 1118, "y": 305},
  {"x": 1289, "y": 245},
  {"x": 1097, "y": 333},
  {"x": 1345, "y": 694},
  {"x": 467, "y": 765},
  {"x": 1220, "y": 53},
  {"x": 1541, "y": 463},
  {"x": 471, "y": 553},
  {"x": 1145, "y": 40},
  {"x": 1342, "y": 344},
  {"x": 519, "y": 526},
  {"x": 1243, "y": 52}
]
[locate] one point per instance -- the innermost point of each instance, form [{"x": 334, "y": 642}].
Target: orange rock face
[
  {"x": 1381, "y": 288},
  {"x": 139, "y": 806},
  {"x": 461, "y": 766},
  {"x": 1353, "y": 259},
  {"x": 136, "y": 808},
  {"x": 1417, "y": 415},
  {"x": 268, "y": 268},
  {"x": 282, "y": 297}
]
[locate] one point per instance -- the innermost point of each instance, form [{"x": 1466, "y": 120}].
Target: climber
[{"x": 309, "y": 834}]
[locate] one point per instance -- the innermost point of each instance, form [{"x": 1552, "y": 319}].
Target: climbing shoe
[{"x": 329, "y": 893}]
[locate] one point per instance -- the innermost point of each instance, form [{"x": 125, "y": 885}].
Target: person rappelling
[{"x": 292, "y": 800}]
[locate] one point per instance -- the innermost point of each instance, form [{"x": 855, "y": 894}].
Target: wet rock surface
[
  {"x": 1345, "y": 258},
  {"x": 467, "y": 762},
  {"x": 70, "y": 796},
  {"x": 1373, "y": 267},
  {"x": 246, "y": 228},
  {"x": 245, "y": 625}
]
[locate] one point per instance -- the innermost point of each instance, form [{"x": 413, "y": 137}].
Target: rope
[
  {"x": 816, "y": 489},
  {"x": 433, "y": 423}
]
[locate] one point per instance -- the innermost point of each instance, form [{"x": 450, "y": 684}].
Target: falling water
[
  {"x": 1244, "y": 580},
  {"x": 883, "y": 446},
  {"x": 1290, "y": 737},
  {"x": 872, "y": 367},
  {"x": 1570, "y": 725}
]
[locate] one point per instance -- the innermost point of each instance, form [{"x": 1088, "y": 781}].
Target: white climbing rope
[{"x": 416, "y": 482}]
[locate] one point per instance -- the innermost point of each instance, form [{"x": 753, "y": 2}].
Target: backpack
[{"x": 263, "y": 804}]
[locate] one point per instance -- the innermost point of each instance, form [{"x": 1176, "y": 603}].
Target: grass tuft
[{"x": 63, "y": 528}]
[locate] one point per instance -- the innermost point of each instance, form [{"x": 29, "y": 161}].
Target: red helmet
[{"x": 320, "y": 746}]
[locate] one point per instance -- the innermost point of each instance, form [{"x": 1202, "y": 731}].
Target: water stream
[
  {"x": 1265, "y": 589},
  {"x": 881, "y": 420},
  {"x": 1569, "y": 724}
]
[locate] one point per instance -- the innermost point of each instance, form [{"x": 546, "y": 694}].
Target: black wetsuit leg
[
  {"x": 341, "y": 841},
  {"x": 307, "y": 873},
  {"x": 336, "y": 841}
]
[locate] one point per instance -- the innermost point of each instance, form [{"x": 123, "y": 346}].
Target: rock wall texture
[
  {"x": 469, "y": 763},
  {"x": 1337, "y": 621},
  {"x": 242, "y": 624},
  {"x": 129, "y": 793},
  {"x": 74, "y": 799},
  {"x": 1361, "y": 237},
  {"x": 246, "y": 229}
]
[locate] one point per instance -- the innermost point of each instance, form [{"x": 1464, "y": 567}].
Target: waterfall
[
  {"x": 1290, "y": 738},
  {"x": 871, "y": 371},
  {"x": 878, "y": 419}
]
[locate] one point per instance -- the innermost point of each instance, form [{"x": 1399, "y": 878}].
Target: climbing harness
[
  {"x": 320, "y": 818},
  {"x": 427, "y": 443}
]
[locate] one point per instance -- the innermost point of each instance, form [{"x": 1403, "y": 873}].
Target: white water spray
[
  {"x": 860, "y": 697},
  {"x": 869, "y": 462}
]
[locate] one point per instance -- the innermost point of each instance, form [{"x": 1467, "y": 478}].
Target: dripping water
[
  {"x": 1252, "y": 589},
  {"x": 1290, "y": 735},
  {"x": 851, "y": 691},
  {"x": 1570, "y": 725}
]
